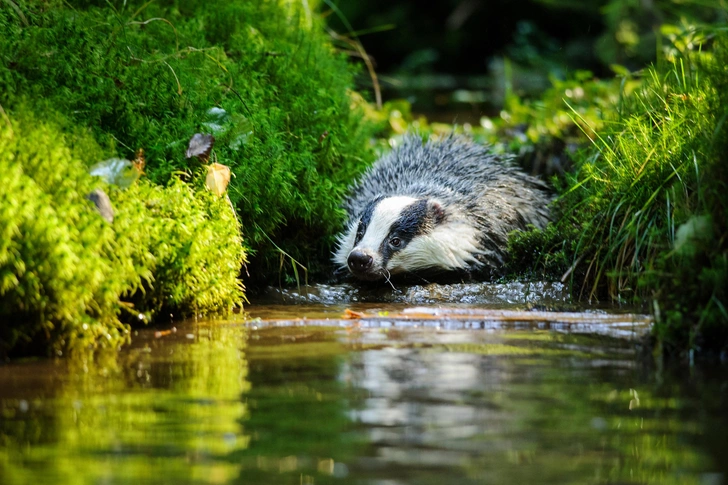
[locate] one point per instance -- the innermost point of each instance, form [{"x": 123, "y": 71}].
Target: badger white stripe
[
  {"x": 386, "y": 213},
  {"x": 346, "y": 244},
  {"x": 449, "y": 246}
]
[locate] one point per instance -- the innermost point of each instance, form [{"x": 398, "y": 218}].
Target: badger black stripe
[
  {"x": 413, "y": 221},
  {"x": 366, "y": 218}
]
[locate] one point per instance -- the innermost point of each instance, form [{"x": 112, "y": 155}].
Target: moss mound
[
  {"x": 190, "y": 243},
  {"x": 260, "y": 75},
  {"x": 66, "y": 274}
]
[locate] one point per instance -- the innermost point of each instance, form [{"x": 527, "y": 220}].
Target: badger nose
[{"x": 359, "y": 261}]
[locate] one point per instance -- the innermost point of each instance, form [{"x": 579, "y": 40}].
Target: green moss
[
  {"x": 148, "y": 74},
  {"x": 54, "y": 254},
  {"x": 188, "y": 241},
  {"x": 66, "y": 274}
]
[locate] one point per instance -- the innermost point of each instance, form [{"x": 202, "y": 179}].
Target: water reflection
[
  {"x": 291, "y": 404},
  {"x": 166, "y": 410}
]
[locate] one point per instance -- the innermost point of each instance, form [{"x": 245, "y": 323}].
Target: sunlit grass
[{"x": 643, "y": 218}]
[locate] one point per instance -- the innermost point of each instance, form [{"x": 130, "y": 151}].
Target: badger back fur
[{"x": 437, "y": 207}]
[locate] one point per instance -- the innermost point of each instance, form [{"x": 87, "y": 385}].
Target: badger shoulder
[{"x": 437, "y": 207}]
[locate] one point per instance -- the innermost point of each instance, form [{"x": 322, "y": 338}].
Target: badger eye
[{"x": 395, "y": 242}]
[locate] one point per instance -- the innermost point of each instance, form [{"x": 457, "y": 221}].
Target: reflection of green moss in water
[
  {"x": 171, "y": 413},
  {"x": 568, "y": 438},
  {"x": 275, "y": 405},
  {"x": 591, "y": 431},
  {"x": 534, "y": 343},
  {"x": 644, "y": 427},
  {"x": 299, "y": 408}
]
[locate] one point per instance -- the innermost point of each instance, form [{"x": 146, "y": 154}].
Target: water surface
[{"x": 387, "y": 393}]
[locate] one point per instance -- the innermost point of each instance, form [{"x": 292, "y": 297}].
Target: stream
[{"x": 337, "y": 385}]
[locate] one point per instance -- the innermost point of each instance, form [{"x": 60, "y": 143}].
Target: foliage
[
  {"x": 549, "y": 36},
  {"x": 259, "y": 75},
  {"x": 192, "y": 241},
  {"x": 55, "y": 250},
  {"x": 643, "y": 218},
  {"x": 65, "y": 273},
  {"x": 632, "y": 30},
  {"x": 544, "y": 134},
  {"x": 649, "y": 201}
]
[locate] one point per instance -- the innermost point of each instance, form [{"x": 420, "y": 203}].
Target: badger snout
[{"x": 359, "y": 261}]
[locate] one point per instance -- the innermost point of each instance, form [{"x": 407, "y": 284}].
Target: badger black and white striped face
[{"x": 396, "y": 235}]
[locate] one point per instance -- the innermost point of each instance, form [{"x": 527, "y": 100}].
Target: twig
[{"x": 15, "y": 7}]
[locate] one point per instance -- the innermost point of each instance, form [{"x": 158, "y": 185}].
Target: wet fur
[{"x": 454, "y": 199}]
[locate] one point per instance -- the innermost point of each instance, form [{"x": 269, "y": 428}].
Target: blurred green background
[{"x": 449, "y": 58}]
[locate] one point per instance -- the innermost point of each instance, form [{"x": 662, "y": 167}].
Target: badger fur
[{"x": 437, "y": 208}]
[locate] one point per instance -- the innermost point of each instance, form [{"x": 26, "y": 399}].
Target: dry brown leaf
[
  {"x": 218, "y": 178},
  {"x": 139, "y": 161},
  {"x": 352, "y": 315}
]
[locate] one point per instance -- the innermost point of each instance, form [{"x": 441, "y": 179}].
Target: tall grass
[{"x": 644, "y": 215}]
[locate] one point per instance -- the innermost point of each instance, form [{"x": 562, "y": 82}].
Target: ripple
[{"x": 492, "y": 294}]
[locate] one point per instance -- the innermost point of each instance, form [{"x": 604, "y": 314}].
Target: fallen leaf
[
  {"x": 352, "y": 315},
  {"x": 117, "y": 171},
  {"x": 218, "y": 178},
  {"x": 139, "y": 161},
  {"x": 103, "y": 204},
  {"x": 200, "y": 146}
]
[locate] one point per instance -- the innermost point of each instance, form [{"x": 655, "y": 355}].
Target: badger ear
[{"x": 435, "y": 210}]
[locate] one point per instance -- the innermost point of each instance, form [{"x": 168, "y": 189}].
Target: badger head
[{"x": 400, "y": 234}]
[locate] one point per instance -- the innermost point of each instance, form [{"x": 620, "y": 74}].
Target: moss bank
[
  {"x": 260, "y": 75},
  {"x": 68, "y": 278}
]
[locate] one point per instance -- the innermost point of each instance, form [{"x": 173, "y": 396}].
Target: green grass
[{"x": 644, "y": 215}]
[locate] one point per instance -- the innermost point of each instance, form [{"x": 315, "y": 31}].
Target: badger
[{"x": 435, "y": 209}]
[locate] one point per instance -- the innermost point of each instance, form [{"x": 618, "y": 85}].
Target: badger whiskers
[{"x": 388, "y": 278}]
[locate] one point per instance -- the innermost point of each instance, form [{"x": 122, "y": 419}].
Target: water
[{"x": 395, "y": 393}]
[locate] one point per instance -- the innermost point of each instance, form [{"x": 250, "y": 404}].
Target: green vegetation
[
  {"x": 261, "y": 76},
  {"x": 639, "y": 165},
  {"x": 543, "y": 134},
  {"x": 194, "y": 242},
  {"x": 644, "y": 215},
  {"x": 55, "y": 249},
  {"x": 639, "y": 159},
  {"x": 641, "y": 217},
  {"x": 120, "y": 77},
  {"x": 68, "y": 278}
]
